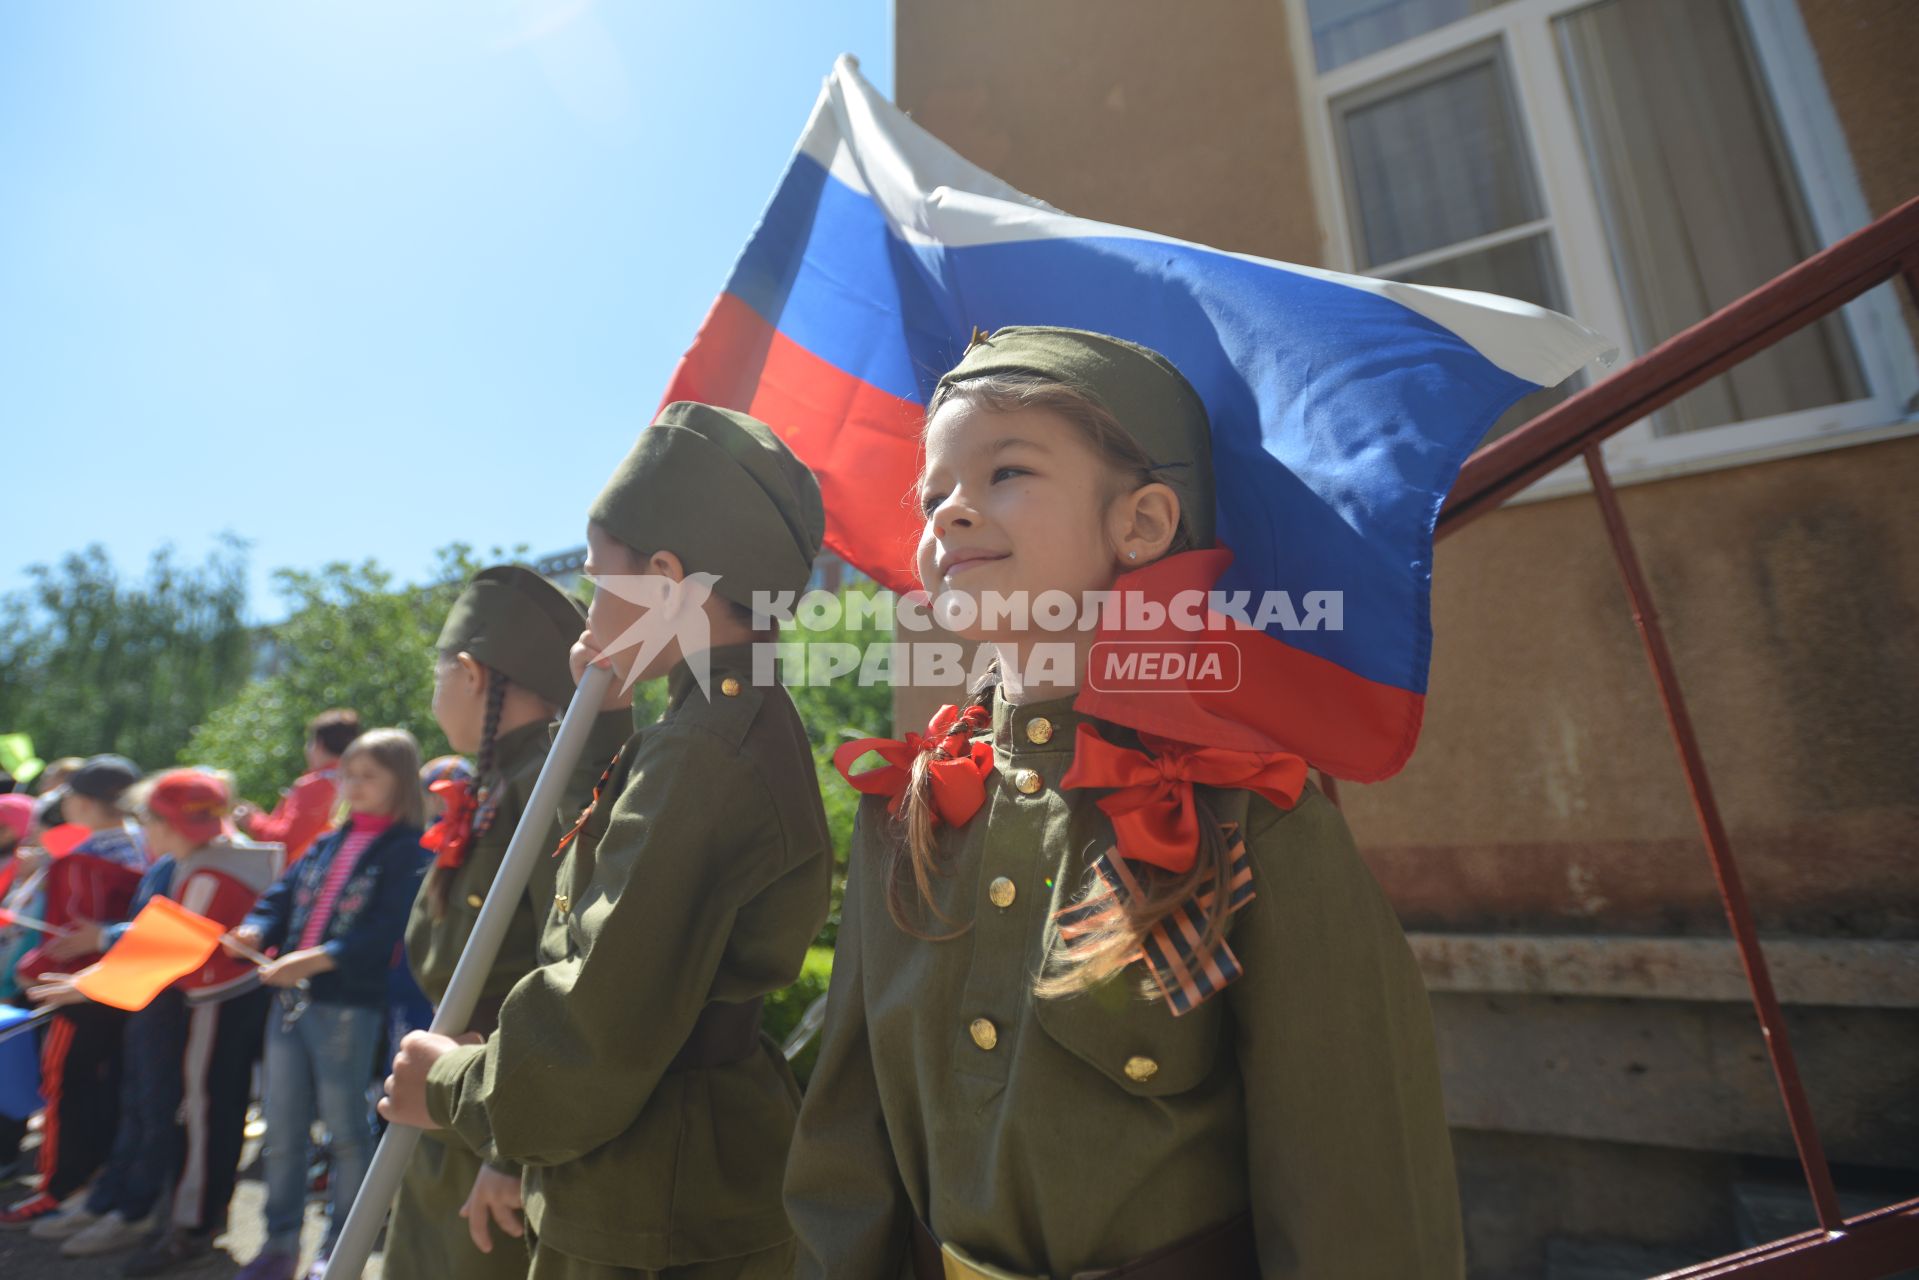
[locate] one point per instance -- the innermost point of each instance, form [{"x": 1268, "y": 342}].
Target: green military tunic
[
  {"x": 433, "y": 947},
  {"x": 426, "y": 1235},
  {"x": 1049, "y": 1137},
  {"x": 701, "y": 876}
]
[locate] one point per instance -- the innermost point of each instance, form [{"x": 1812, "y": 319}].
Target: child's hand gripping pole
[
  {"x": 531, "y": 841},
  {"x": 259, "y": 958}
]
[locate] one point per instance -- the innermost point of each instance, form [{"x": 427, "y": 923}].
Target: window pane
[
  {"x": 1523, "y": 269},
  {"x": 1435, "y": 164},
  {"x": 1345, "y": 30},
  {"x": 1700, "y": 205}
]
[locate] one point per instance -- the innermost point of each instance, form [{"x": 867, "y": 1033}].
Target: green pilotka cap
[
  {"x": 1149, "y": 398},
  {"x": 718, "y": 489},
  {"x": 521, "y": 625}
]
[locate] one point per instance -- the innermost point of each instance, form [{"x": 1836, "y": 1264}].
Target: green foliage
[
  {"x": 836, "y": 712},
  {"x": 785, "y": 1008},
  {"x": 351, "y": 639},
  {"x": 90, "y": 662}
]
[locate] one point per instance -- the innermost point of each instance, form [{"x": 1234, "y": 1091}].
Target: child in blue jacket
[{"x": 334, "y": 919}]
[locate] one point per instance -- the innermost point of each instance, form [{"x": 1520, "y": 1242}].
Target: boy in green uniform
[
  {"x": 628, "y": 1074},
  {"x": 502, "y": 676}
]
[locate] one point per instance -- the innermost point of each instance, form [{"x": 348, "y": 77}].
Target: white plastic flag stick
[
  {"x": 243, "y": 950},
  {"x": 532, "y": 840},
  {"x": 28, "y": 922},
  {"x": 38, "y": 1018}
]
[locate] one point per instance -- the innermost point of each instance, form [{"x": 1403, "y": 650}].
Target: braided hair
[
  {"x": 486, "y": 777},
  {"x": 915, "y": 855},
  {"x": 487, "y": 774}
]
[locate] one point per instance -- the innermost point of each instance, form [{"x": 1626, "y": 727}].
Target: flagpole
[
  {"x": 28, "y": 922},
  {"x": 24, "y": 892},
  {"x": 245, "y": 952},
  {"x": 260, "y": 958},
  {"x": 36, "y": 1018},
  {"x": 532, "y": 840}
]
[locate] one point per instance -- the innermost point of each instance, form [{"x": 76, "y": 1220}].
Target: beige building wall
[
  {"x": 1546, "y": 795},
  {"x": 1865, "y": 49},
  {"x": 1180, "y": 118}
]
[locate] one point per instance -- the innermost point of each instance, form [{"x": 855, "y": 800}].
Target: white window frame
[{"x": 1548, "y": 124}]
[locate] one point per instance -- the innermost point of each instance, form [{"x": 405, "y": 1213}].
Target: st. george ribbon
[{"x": 532, "y": 840}]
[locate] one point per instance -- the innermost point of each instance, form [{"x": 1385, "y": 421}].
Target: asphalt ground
[{"x": 24, "y": 1258}]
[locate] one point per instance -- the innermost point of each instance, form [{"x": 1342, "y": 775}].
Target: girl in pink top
[{"x": 335, "y": 917}]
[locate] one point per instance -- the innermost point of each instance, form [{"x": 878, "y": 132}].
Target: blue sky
[{"x": 364, "y": 277}]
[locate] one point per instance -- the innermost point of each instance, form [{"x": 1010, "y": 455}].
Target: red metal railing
[{"x": 1874, "y": 1244}]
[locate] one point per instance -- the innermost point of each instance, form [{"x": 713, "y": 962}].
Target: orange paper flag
[{"x": 164, "y": 943}]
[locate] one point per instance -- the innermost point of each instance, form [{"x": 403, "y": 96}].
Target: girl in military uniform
[
  {"x": 1104, "y": 1003},
  {"x": 501, "y": 679},
  {"x": 628, "y": 1075}
]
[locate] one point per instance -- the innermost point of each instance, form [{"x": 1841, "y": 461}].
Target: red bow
[
  {"x": 958, "y": 767},
  {"x": 1152, "y": 801},
  {"x": 452, "y": 835}
]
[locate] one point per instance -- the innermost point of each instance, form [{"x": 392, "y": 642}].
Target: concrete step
[{"x": 1610, "y": 1260}]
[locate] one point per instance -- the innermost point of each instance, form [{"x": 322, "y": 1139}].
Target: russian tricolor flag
[{"x": 1342, "y": 406}]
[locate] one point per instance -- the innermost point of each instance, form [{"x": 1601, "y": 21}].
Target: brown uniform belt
[
  {"x": 724, "y": 1032},
  {"x": 1223, "y": 1252}
]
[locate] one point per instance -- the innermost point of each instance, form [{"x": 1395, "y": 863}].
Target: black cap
[{"x": 103, "y": 778}]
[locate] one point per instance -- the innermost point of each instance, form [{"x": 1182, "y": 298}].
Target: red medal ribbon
[
  {"x": 1152, "y": 802},
  {"x": 958, "y": 767}
]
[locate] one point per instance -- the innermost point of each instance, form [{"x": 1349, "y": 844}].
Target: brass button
[
  {"x": 730, "y": 686},
  {"x": 1028, "y": 781},
  {"x": 474, "y": 900},
  {"x": 1039, "y": 730},
  {"x": 985, "y": 1034},
  {"x": 562, "y": 903},
  {"x": 1140, "y": 1070},
  {"x": 1002, "y": 892}
]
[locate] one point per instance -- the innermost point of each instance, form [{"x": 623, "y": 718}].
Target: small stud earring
[{"x": 1132, "y": 555}]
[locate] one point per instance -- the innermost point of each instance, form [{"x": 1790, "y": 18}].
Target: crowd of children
[
  {"x": 1102, "y": 1003},
  {"x": 144, "y": 1111}
]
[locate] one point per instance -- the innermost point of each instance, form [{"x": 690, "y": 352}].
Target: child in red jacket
[{"x": 188, "y": 1055}]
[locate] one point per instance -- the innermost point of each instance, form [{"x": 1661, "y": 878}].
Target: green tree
[
  {"x": 92, "y": 662},
  {"x": 351, "y": 639},
  {"x": 837, "y": 711},
  {"x": 834, "y": 711}
]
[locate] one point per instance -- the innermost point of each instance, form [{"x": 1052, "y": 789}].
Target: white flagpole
[
  {"x": 28, "y": 922},
  {"x": 530, "y": 842}
]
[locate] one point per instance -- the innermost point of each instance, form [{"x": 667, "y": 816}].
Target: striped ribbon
[
  {"x": 1171, "y": 949},
  {"x": 591, "y": 805}
]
